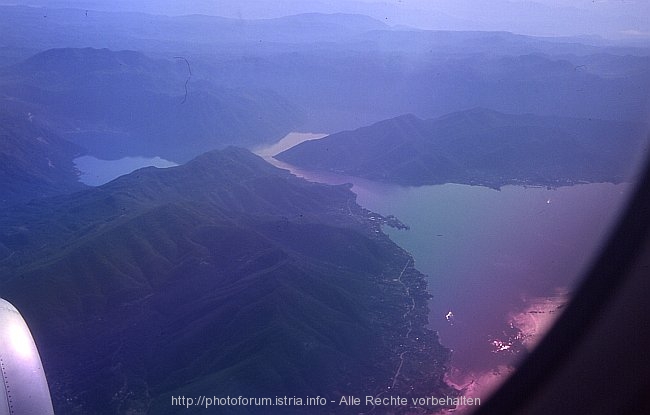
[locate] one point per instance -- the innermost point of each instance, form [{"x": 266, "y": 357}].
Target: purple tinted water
[{"x": 489, "y": 253}]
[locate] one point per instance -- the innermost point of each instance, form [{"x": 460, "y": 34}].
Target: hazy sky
[{"x": 608, "y": 18}]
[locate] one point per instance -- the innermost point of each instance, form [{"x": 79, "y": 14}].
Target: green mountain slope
[
  {"x": 221, "y": 277},
  {"x": 34, "y": 162}
]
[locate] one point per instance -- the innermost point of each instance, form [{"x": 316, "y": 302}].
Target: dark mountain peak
[
  {"x": 224, "y": 182},
  {"x": 474, "y": 112},
  {"x": 228, "y": 153},
  {"x": 407, "y": 118},
  {"x": 215, "y": 168},
  {"x": 242, "y": 160},
  {"x": 345, "y": 150},
  {"x": 220, "y": 183},
  {"x": 86, "y": 59},
  {"x": 400, "y": 122},
  {"x": 476, "y": 116}
]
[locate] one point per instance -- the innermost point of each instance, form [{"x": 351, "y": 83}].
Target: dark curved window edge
[{"x": 613, "y": 267}]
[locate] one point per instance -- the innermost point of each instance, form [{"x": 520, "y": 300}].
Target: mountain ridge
[
  {"x": 224, "y": 274},
  {"x": 479, "y": 146}
]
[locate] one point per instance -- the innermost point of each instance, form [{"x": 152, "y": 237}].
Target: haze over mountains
[
  {"x": 388, "y": 71},
  {"x": 116, "y": 104},
  {"x": 540, "y": 17},
  {"x": 226, "y": 275}
]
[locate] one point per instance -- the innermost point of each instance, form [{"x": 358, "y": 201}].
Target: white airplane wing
[{"x": 23, "y": 388}]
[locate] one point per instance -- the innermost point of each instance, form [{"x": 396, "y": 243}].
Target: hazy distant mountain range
[
  {"x": 62, "y": 103},
  {"x": 540, "y": 17},
  {"x": 51, "y": 27},
  {"x": 116, "y": 104},
  {"x": 389, "y": 71},
  {"x": 223, "y": 276},
  {"x": 208, "y": 82},
  {"x": 479, "y": 146}
]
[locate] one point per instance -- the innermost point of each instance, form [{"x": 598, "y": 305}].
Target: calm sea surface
[{"x": 95, "y": 172}]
